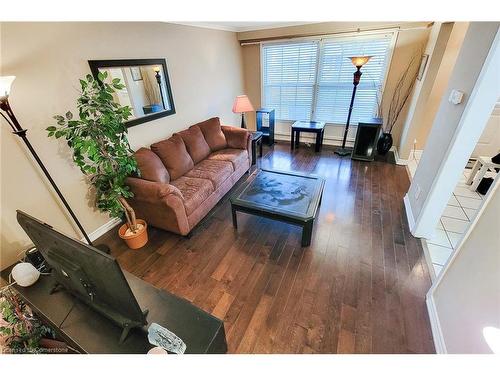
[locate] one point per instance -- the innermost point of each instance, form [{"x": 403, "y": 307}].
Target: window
[
  {"x": 289, "y": 79},
  {"x": 312, "y": 80}
]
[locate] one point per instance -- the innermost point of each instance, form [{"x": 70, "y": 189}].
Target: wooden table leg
[
  {"x": 479, "y": 176},
  {"x": 297, "y": 139},
  {"x": 260, "y": 148},
  {"x": 318, "y": 141},
  {"x": 476, "y": 167},
  {"x": 292, "y": 140},
  {"x": 307, "y": 233},
  {"x": 235, "y": 221}
]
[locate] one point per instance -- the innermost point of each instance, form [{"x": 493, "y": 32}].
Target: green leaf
[
  {"x": 69, "y": 115},
  {"x": 51, "y": 128}
]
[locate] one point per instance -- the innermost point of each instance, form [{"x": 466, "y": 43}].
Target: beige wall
[
  {"x": 443, "y": 46},
  {"x": 411, "y": 36},
  {"x": 467, "y": 297},
  {"x": 205, "y": 69}
]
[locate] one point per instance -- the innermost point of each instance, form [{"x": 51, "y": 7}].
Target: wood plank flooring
[{"x": 359, "y": 288}]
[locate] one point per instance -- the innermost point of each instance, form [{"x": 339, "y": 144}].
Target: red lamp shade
[{"x": 242, "y": 104}]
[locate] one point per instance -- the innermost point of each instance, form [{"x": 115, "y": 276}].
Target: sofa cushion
[
  {"x": 236, "y": 137},
  {"x": 195, "y": 143},
  {"x": 213, "y": 134},
  {"x": 174, "y": 156},
  {"x": 194, "y": 190},
  {"x": 217, "y": 171},
  {"x": 150, "y": 166},
  {"x": 237, "y": 157}
]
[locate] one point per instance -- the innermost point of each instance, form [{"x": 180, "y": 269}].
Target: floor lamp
[
  {"x": 158, "y": 79},
  {"x": 358, "y": 62},
  {"x": 5, "y": 84}
]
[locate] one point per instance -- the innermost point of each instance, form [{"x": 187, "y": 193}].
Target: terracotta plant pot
[{"x": 137, "y": 240}]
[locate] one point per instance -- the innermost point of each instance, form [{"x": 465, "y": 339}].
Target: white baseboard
[
  {"x": 437, "y": 333},
  {"x": 409, "y": 213},
  {"x": 331, "y": 141},
  {"x": 103, "y": 229},
  {"x": 399, "y": 161},
  {"x": 428, "y": 260}
]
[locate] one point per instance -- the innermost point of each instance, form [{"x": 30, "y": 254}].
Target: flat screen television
[{"x": 89, "y": 274}]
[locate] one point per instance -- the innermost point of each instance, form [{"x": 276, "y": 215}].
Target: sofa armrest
[
  {"x": 236, "y": 137},
  {"x": 161, "y": 205},
  {"x": 151, "y": 192}
]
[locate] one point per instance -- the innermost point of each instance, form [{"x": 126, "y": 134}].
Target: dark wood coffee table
[
  {"x": 293, "y": 198},
  {"x": 317, "y": 127}
]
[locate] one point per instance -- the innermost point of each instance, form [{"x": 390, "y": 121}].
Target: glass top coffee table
[{"x": 290, "y": 197}]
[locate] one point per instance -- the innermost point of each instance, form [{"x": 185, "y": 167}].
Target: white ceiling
[{"x": 242, "y": 26}]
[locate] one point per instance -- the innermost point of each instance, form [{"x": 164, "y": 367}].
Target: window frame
[{"x": 345, "y": 36}]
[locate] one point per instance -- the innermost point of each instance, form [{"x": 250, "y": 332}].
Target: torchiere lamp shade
[
  {"x": 359, "y": 61},
  {"x": 5, "y": 84},
  {"x": 242, "y": 104}
]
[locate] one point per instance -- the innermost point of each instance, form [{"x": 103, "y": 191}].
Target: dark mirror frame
[{"x": 96, "y": 64}]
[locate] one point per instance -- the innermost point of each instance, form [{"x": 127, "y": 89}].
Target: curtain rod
[{"x": 308, "y": 35}]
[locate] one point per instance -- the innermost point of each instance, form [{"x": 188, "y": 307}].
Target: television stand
[{"x": 90, "y": 332}]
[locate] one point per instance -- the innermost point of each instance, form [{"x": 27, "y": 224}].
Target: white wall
[
  {"x": 205, "y": 70},
  {"x": 456, "y": 128},
  {"x": 466, "y": 297}
]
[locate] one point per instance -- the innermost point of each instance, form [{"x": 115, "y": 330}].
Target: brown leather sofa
[{"x": 184, "y": 176}]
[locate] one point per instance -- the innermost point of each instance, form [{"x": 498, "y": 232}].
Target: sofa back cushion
[
  {"x": 195, "y": 143},
  {"x": 213, "y": 133},
  {"x": 150, "y": 166},
  {"x": 174, "y": 155}
]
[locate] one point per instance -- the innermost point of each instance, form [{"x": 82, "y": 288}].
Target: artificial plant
[
  {"x": 98, "y": 139},
  {"x": 20, "y": 330}
]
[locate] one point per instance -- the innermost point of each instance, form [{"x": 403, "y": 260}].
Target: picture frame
[
  {"x": 136, "y": 74},
  {"x": 423, "y": 65},
  {"x": 95, "y": 65}
]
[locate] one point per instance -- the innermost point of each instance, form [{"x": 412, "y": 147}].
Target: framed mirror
[{"x": 147, "y": 87}]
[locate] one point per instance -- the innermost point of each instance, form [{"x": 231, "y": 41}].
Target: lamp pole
[
  {"x": 21, "y": 133},
  {"x": 158, "y": 79},
  {"x": 358, "y": 62},
  {"x": 17, "y": 129}
]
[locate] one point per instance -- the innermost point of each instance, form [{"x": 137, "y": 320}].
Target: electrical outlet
[{"x": 417, "y": 191}]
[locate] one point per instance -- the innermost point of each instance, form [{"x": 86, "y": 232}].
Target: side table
[
  {"x": 317, "y": 127},
  {"x": 256, "y": 141},
  {"x": 482, "y": 165}
]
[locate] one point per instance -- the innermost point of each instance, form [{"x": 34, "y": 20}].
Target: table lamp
[
  {"x": 358, "y": 62},
  {"x": 241, "y": 105},
  {"x": 5, "y": 85}
]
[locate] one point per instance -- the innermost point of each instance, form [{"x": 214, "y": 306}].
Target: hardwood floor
[{"x": 359, "y": 288}]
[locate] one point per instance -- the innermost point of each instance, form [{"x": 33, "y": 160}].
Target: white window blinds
[
  {"x": 289, "y": 75},
  {"x": 313, "y": 80}
]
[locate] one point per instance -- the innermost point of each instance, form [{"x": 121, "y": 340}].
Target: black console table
[{"x": 89, "y": 332}]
